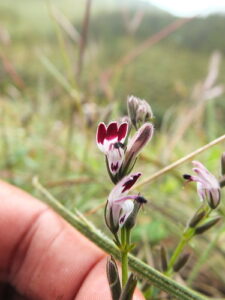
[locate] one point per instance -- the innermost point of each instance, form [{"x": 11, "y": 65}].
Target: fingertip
[{"x": 96, "y": 286}]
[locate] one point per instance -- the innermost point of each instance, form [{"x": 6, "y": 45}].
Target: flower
[
  {"x": 208, "y": 186},
  {"x": 120, "y": 157},
  {"x": 110, "y": 141},
  {"x": 120, "y": 205}
]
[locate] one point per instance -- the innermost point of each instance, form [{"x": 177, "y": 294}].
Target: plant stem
[
  {"x": 124, "y": 261},
  {"x": 87, "y": 229},
  {"x": 124, "y": 257},
  {"x": 187, "y": 235}
]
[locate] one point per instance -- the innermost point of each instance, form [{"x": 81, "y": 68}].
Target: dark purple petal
[
  {"x": 112, "y": 131},
  {"x": 114, "y": 167},
  {"x": 129, "y": 183},
  {"x": 122, "y": 132},
  {"x": 101, "y": 133}
]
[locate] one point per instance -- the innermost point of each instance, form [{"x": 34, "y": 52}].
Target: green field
[{"x": 50, "y": 108}]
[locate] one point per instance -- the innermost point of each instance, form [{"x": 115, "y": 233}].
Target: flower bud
[
  {"x": 196, "y": 218},
  {"x": 207, "y": 225},
  {"x": 135, "y": 145},
  {"x": 128, "y": 291},
  {"x": 132, "y": 105},
  {"x": 139, "y": 111},
  {"x": 164, "y": 260},
  {"x": 180, "y": 263},
  {"x": 113, "y": 278}
]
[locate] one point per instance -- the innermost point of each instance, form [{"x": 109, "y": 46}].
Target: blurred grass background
[{"x": 61, "y": 73}]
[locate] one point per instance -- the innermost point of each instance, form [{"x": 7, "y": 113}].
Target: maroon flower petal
[
  {"x": 101, "y": 133},
  {"x": 122, "y": 132},
  {"x": 114, "y": 167},
  {"x": 112, "y": 131},
  {"x": 129, "y": 183}
]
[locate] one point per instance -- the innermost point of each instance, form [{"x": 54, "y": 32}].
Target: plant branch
[{"x": 96, "y": 236}]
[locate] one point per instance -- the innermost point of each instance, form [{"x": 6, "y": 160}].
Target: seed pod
[
  {"x": 207, "y": 225},
  {"x": 128, "y": 291},
  {"x": 163, "y": 256},
  {"x": 196, "y": 218},
  {"x": 113, "y": 278},
  {"x": 180, "y": 263}
]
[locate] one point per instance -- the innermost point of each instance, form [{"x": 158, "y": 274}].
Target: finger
[
  {"x": 9, "y": 293},
  {"x": 41, "y": 255},
  {"x": 96, "y": 286}
]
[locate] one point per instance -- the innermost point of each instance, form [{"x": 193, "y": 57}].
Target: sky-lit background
[{"x": 191, "y": 7}]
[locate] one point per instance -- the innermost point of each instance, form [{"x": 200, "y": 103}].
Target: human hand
[{"x": 42, "y": 257}]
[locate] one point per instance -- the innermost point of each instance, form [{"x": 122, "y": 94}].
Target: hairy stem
[{"x": 124, "y": 262}]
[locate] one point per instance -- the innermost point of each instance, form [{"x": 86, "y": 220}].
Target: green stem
[
  {"x": 124, "y": 261},
  {"x": 124, "y": 257},
  {"x": 187, "y": 235},
  {"x": 87, "y": 229}
]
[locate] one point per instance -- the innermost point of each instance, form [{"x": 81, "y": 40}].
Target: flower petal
[
  {"x": 122, "y": 132},
  {"x": 112, "y": 131},
  {"x": 127, "y": 185},
  {"x": 101, "y": 135},
  {"x": 115, "y": 158},
  {"x": 127, "y": 208},
  {"x": 123, "y": 186}
]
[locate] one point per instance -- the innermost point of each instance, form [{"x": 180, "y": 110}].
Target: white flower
[
  {"x": 110, "y": 141},
  {"x": 208, "y": 187},
  {"x": 120, "y": 205}
]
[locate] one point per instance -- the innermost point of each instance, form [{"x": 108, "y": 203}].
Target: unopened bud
[
  {"x": 135, "y": 145},
  {"x": 113, "y": 278},
  {"x": 128, "y": 291},
  {"x": 207, "y": 225},
  {"x": 163, "y": 256},
  {"x": 144, "y": 112},
  {"x": 223, "y": 163},
  {"x": 132, "y": 105},
  {"x": 196, "y": 218},
  {"x": 139, "y": 111},
  {"x": 180, "y": 263},
  {"x": 131, "y": 220}
]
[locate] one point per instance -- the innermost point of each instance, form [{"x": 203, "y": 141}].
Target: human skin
[{"x": 42, "y": 257}]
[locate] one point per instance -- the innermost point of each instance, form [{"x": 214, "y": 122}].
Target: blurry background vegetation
[{"x": 61, "y": 73}]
